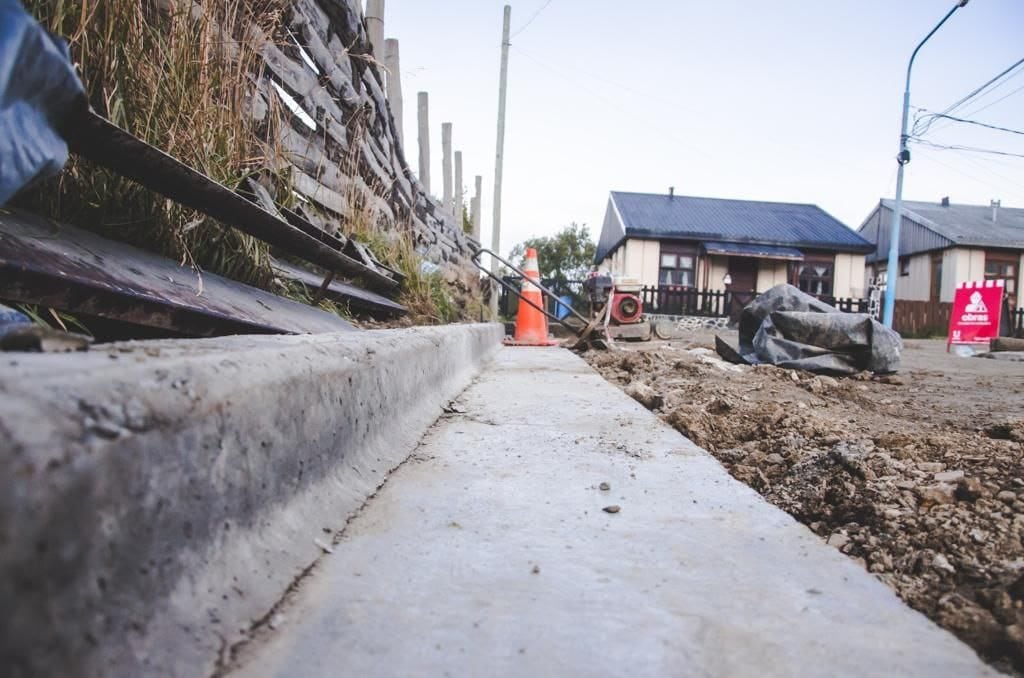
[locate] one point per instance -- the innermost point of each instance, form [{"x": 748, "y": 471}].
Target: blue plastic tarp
[{"x": 38, "y": 88}]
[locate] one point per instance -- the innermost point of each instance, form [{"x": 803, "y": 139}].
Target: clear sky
[{"x": 785, "y": 100}]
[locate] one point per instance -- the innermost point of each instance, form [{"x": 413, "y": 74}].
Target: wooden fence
[{"x": 921, "y": 318}]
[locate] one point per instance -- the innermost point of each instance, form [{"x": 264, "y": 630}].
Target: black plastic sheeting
[
  {"x": 38, "y": 89},
  {"x": 791, "y": 329}
]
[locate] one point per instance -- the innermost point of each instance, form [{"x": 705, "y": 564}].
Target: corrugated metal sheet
[
  {"x": 914, "y": 237},
  {"x": 968, "y": 225},
  {"x": 768, "y": 223}
]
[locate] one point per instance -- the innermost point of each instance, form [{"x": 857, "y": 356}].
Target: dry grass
[{"x": 177, "y": 75}]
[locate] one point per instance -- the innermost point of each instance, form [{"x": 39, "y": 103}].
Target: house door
[
  {"x": 935, "y": 294},
  {"x": 743, "y": 272}
]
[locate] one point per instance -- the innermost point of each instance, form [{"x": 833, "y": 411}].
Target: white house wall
[
  {"x": 641, "y": 260},
  {"x": 848, "y": 276},
  {"x": 771, "y": 272}
]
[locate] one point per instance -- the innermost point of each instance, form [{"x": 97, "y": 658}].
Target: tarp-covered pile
[
  {"x": 790, "y": 329},
  {"x": 38, "y": 88}
]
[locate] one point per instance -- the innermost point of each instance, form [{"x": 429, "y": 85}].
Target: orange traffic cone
[{"x": 531, "y": 324}]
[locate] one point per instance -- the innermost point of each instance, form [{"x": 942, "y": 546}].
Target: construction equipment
[
  {"x": 531, "y": 325},
  {"x": 616, "y": 300},
  {"x": 615, "y": 308}
]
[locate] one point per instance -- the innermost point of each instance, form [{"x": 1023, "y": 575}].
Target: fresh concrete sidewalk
[{"x": 488, "y": 553}]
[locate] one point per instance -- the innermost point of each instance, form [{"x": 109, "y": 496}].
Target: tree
[{"x": 567, "y": 255}]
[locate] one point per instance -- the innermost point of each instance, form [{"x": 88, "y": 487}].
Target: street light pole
[{"x": 892, "y": 268}]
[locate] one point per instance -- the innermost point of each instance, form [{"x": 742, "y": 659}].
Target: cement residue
[{"x": 918, "y": 477}]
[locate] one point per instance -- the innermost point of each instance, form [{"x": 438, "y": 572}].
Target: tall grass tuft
[{"x": 177, "y": 74}]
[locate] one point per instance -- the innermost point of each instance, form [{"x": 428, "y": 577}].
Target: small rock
[
  {"x": 794, "y": 376},
  {"x": 604, "y": 487},
  {"x": 1007, "y": 497},
  {"x": 614, "y": 508},
  {"x": 324, "y": 546},
  {"x": 276, "y": 621},
  {"x": 775, "y": 458},
  {"x": 931, "y": 466},
  {"x": 937, "y": 494},
  {"x": 645, "y": 395},
  {"x": 949, "y": 476},
  {"x": 838, "y": 539},
  {"x": 536, "y": 569},
  {"x": 941, "y": 563},
  {"x": 892, "y": 380}
]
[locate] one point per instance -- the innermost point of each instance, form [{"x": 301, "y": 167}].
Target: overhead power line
[
  {"x": 980, "y": 89},
  {"x": 530, "y": 20},
  {"x": 970, "y": 149},
  {"x": 932, "y": 116},
  {"x": 920, "y": 130}
]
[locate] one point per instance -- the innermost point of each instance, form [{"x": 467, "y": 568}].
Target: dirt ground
[{"x": 917, "y": 476}]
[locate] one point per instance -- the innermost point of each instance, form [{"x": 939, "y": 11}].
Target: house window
[
  {"x": 999, "y": 266},
  {"x": 676, "y": 269},
  {"x": 904, "y": 267},
  {"x": 1001, "y": 270},
  {"x": 816, "y": 275}
]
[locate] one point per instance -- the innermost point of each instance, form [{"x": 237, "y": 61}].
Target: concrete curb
[{"x": 157, "y": 498}]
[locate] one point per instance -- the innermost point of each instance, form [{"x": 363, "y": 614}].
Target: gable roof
[
  {"x": 967, "y": 224},
  {"x": 661, "y": 216}
]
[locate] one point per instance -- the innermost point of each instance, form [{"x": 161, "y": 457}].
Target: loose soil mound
[{"x": 918, "y": 477}]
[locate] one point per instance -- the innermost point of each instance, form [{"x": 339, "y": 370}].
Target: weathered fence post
[
  {"x": 393, "y": 64},
  {"x": 423, "y": 118},
  {"x": 475, "y": 208},
  {"x": 458, "y": 190},
  {"x": 446, "y": 165},
  {"x": 375, "y": 26}
]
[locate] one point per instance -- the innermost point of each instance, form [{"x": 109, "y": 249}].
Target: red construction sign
[{"x": 976, "y": 311}]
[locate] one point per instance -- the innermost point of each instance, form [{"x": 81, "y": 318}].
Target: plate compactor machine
[
  {"x": 616, "y": 309},
  {"x": 615, "y": 302}
]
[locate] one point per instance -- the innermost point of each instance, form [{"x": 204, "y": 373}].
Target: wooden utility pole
[
  {"x": 446, "y": 165},
  {"x": 392, "y": 62},
  {"x": 423, "y": 119},
  {"x": 500, "y": 152}
]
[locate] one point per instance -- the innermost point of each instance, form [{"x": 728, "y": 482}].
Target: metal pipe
[{"x": 476, "y": 260}]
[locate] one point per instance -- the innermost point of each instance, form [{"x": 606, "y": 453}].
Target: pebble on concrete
[{"x": 614, "y": 508}]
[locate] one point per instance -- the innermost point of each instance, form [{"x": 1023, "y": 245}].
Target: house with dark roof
[
  {"x": 736, "y": 245},
  {"x": 943, "y": 244}
]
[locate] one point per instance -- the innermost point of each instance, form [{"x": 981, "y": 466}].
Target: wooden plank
[
  {"x": 43, "y": 262},
  {"x": 110, "y": 146},
  {"x": 358, "y": 299}
]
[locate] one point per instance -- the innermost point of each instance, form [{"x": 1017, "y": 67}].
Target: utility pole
[
  {"x": 500, "y": 153},
  {"x": 902, "y": 158}
]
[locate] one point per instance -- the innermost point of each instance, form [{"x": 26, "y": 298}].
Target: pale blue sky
[{"x": 786, "y": 100}]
